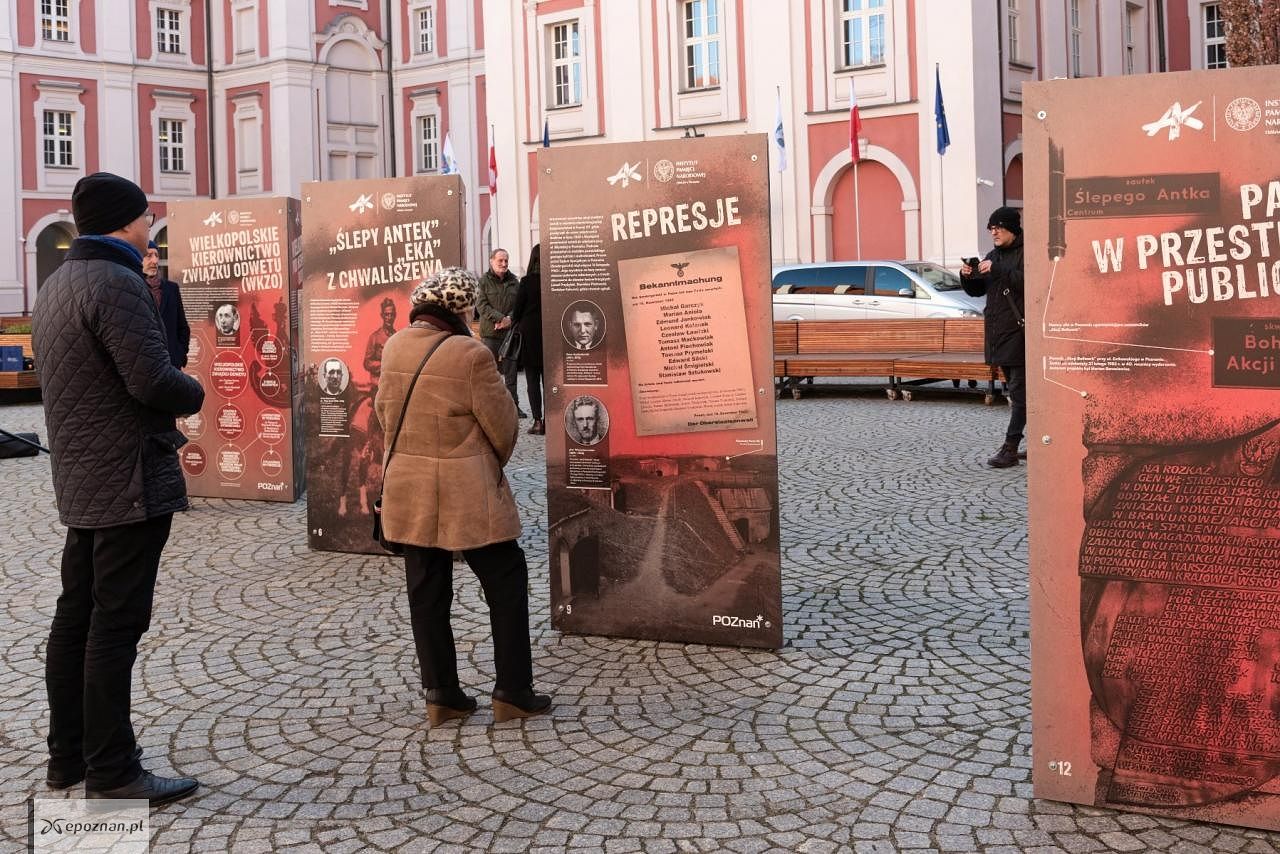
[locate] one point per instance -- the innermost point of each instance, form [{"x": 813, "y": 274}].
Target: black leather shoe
[
  {"x": 157, "y": 790},
  {"x": 508, "y": 705},
  {"x": 521, "y": 413},
  {"x": 58, "y": 780},
  {"x": 446, "y": 704}
]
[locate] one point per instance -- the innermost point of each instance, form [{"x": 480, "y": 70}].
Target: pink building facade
[
  {"x": 231, "y": 98},
  {"x": 193, "y": 98}
]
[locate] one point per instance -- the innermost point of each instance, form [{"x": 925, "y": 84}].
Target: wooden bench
[
  {"x": 10, "y": 380},
  {"x": 920, "y": 350}
]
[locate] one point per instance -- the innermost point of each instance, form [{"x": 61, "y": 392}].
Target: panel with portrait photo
[
  {"x": 586, "y": 420},
  {"x": 583, "y": 325}
]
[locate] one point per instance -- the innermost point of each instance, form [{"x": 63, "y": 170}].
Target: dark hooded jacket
[
  {"x": 110, "y": 391},
  {"x": 1005, "y": 339}
]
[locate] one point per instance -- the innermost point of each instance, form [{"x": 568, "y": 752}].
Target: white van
[{"x": 858, "y": 290}]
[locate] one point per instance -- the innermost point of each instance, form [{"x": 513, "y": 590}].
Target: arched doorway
[
  {"x": 879, "y": 215},
  {"x": 1013, "y": 180},
  {"x": 51, "y": 248},
  {"x": 161, "y": 239}
]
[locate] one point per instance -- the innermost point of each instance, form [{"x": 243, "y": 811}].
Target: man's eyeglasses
[{"x": 151, "y": 218}]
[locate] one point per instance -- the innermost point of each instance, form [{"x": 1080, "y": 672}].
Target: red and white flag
[
  {"x": 493, "y": 170},
  {"x": 855, "y": 122}
]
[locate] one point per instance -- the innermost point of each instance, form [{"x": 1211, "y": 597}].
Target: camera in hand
[{"x": 972, "y": 263}]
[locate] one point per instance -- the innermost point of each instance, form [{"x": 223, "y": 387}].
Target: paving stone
[{"x": 895, "y": 718}]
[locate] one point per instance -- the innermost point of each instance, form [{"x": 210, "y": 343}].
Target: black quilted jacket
[{"x": 110, "y": 391}]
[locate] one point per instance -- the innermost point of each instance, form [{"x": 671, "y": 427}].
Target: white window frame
[
  {"x": 865, "y": 20},
  {"x": 572, "y": 64},
  {"x": 424, "y": 38},
  {"x": 169, "y": 31},
  {"x": 1210, "y": 42},
  {"x": 51, "y": 17},
  {"x": 72, "y": 20},
  {"x": 1130, "y": 39},
  {"x": 1013, "y": 19},
  {"x": 244, "y": 45},
  {"x": 59, "y": 128},
  {"x": 428, "y": 144},
  {"x": 246, "y": 123},
  {"x": 702, "y": 52},
  {"x": 59, "y": 96},
  {"x": 174, "y": 106},
  {"x": 172, "y": 138},
  {"x": 1077, "y": 35}
]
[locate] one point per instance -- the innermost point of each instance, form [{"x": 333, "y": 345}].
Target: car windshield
[{"x": 942, "y": 280}]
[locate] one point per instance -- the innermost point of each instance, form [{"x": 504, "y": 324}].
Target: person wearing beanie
[
  {"x": 173, "y": 317},
  {"x": 111, "y": 393},
  {"x": 443, "y": 490},
  {"x": 999, "y": 277}
]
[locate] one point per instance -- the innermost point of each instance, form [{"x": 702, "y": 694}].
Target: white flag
[
  {"x": 779, "y": 140},
  {"x": 448, "y": 163}
]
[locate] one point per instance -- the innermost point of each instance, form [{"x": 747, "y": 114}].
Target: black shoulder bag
[{"x": 397, "y": 548}]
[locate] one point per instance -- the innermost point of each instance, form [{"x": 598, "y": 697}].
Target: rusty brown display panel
[
  {"x": 1153, "y": 323},
  {"x": 662, "y": 471},
  {"x": 237, "y": 263},
  {"x": 366, "y": 244}
]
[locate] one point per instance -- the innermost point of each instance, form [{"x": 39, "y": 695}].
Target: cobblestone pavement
[{"x": 895, "y": 719}]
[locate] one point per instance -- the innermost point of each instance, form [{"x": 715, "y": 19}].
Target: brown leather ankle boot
[{"x": 1005, "y": 457}]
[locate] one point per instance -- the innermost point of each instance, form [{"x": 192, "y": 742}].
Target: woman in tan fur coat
[{"x": 444, "y": 491}]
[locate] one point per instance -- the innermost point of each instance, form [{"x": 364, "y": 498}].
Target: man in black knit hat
[
  {"x": 999, "y": 277},
  {"x": 110, "y": 396}
]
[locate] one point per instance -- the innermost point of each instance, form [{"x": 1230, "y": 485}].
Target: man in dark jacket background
[
  {"x": 110, "y": 396},
  {"x": 177, "y": 333},
  {"x": 495, "y": 297},
  {"x": 999, "y": 277}
]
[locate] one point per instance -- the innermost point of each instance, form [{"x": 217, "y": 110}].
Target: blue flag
[
  {"x": 940, "y": 113},
  {"x": 546, "y": 133}
]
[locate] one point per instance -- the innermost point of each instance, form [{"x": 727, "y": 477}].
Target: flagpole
[
  {"x": 493, "y": 199},
  {"x": 782, "y": 190},
  {"x": 857, "y": 210},
  {"x": 942, "y": 201}
]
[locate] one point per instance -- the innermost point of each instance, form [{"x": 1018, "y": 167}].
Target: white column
[
  {"x": 462, "y": 131},
  {"x": 290, "y": 26},
  {"x": 292, "y": 129},
  {"x": 504, "y": 58},
  {"x": 116, "y": 32},
  {"x": 118, "y": 143},
  {"x": 11, "y": 231},
  {"x": 8, "y": 27},
  {"x": 964, "y": 42}
]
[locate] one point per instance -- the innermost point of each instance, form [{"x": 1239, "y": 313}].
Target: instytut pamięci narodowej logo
[{"x": 1175, "y": 119}]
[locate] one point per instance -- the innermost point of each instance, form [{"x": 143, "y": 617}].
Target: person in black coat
[
  {"x": 526, "y": 313},
  {"x": 177, "y": 333},
  {"x": 110, "y": 394},
  {"x": 999, "y": 277}
]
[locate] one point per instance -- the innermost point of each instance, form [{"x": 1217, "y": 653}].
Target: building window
[
  {"x": 55, "y": 20},
  {"x": 245, "y": 29},
  {"x": 1130, "y": 38},
  {"x": 428, "y": 143},
  {"x": 425, "y": 20},
  {"x": 701, "y": 43},
  {"x": 566, "y": 64},
  {"x": 168, "y": 31},
  {"x": 173, "y": 157},
  {"x": 1075, "y": 38},
  {"x": 1012, "y": 15},
  {"x": 1215, "y": 37},
  {"x": 58, "y": 139},
  {"x": 861, "y": 32}
]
